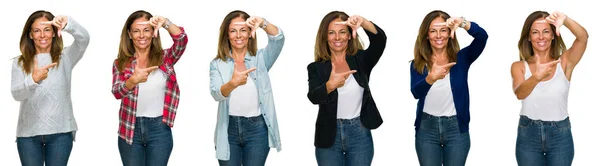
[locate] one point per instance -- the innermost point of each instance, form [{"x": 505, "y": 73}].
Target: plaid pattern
[{"x": 127, "y": 111}]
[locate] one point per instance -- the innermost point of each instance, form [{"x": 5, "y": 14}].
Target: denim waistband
[
  {"x": 353, "y": 120},
  {"x": 139, "y": 118},
  {"x": 254, "y": 118},
  {"x": 525, "y": 120},
  {"x": 429, "y": 116}
]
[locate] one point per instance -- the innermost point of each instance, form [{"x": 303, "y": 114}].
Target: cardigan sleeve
[{"x": 418, "y": 86}]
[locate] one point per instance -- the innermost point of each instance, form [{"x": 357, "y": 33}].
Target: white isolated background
[{"x": 494, "y": 108}]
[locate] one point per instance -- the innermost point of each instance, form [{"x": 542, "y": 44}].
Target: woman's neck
[
  {"x": 238, "y": 54},
  {"x": 337, "y": 56},
  {"x": 544, "y": 56}
]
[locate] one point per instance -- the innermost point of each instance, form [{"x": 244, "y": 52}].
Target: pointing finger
[
  {"x": 440, "y": 24},
  {"x": 349, "y": 72},
  {"x": 249, "y": 70},
  {"x": 143, "y": 23},
  {"x": 239, "y": 23},
  {"x": 49, "y": 66},
  {"x": 449, "y": 65},
  {"x": 553, "y": 63},
  {"x": 45, "y": 22},
  {"x": 543, "y": 21},
  {"x": 150, "y": 69}
]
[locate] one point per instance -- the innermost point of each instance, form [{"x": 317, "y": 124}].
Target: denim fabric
[
  {"x": 152, "y": 143},
  {"x": 248, "y": 141},
  {"x": 544, "y": 143},
  {"x": 52, "y": 149},
  {"x": 439, "y": 141},
  {"x": 353, "y": 146}
]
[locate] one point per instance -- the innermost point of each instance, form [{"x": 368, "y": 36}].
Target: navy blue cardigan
[{"x": 458, "y": 79}]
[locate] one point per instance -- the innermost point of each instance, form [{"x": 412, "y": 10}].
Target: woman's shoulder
[{"x": 518, "y": 65}]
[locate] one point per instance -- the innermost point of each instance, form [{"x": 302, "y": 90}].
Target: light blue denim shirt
[{"x": 221, "y": 72}]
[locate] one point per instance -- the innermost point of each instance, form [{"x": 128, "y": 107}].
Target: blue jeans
[
  {"x": 439, "y": 141},
  {"x": 248, "y": 141},
  {"x": 353, "y": 145},
  {"x": 152, "y": 143},
  {"x": 52, "y": 149},
  {"x": 541, "y": 143}
]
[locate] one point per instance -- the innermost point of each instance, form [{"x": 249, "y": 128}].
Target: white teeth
[
  {"x": 238, "y": 41},
  {"x": 541, "y": 43},
  {"x": 142, "y": 41},
  {"x": 337, "y": 44},
  {"x": 439, "y": 41}
]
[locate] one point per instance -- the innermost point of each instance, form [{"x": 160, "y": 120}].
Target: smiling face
[
  {"x": 438, "y": 34},
  {"x": 41, "y": 35},
  {"x": 541, "y": 35},
  {"x": 238, "y": 33},
  {"x": 338, "y": 36},
  {"x": 141, "y": 34}
]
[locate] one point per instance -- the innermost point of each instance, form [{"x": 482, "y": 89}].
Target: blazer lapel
[{"x": 353, "y": 64}]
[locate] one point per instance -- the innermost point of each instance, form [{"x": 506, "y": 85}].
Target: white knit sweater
[{"x": 46, "y": 107}]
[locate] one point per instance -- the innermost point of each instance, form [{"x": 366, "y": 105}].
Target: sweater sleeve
[
  {"x": 418, "y": 86},
  {"x": 22, "y": 85},
  {"x": 75, "y": 51}
]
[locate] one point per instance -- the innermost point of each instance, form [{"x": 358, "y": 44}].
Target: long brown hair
[
  {"x": 127, "y": 49},
  {"x": 322, "y": 50},
  {"x": 27, "y": 45},
  {"x": 224, "y": 47},
  {"x": 423, "y": 50},
  {"x": 557, "y": 45}
]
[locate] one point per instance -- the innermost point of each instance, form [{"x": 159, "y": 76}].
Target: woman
[
  {"x": 339, "y": 83},
  {"x": 246, "y": 122},
  {"x": 541, "y": 80},
  {"x": 438, "y": 76},
  {"x": 149, "y": 97},
  {"x": 41, "y": 81}
]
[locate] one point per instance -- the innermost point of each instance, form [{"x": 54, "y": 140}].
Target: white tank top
[
  {"x": 439, "y": 100},
  {"x": 548, "y": 100},
  {"x": 349, "y": 99}
]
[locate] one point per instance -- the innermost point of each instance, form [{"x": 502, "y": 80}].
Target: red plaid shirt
[{"x": 127, "y": 112}]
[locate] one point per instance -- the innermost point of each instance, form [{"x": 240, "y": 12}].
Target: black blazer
[{"x": 318, "y": 75}]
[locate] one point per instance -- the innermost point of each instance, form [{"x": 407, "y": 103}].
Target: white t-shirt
[
  {"x": 439, "y": 100},
  {"x": 349, "y": 99},
  {"x": 243, "y": 100},
  {"x": 151, "y": 95}
]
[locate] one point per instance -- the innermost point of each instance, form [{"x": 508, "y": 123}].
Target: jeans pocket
[
  {"x": 523, "y": 124},
  {"x": 256, "y": 122},
  {"x": 564, "y": 128}
]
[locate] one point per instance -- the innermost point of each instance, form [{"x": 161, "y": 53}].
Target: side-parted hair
[
  {"x": 127, "y": 49},
  {"x": 423, "y": 49},
  {"x": 224, "y": 47},
  {"x": 322, "y": 50},
  {"x": 27, "y": 45},
  {"x": 557, "y": 46}
]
